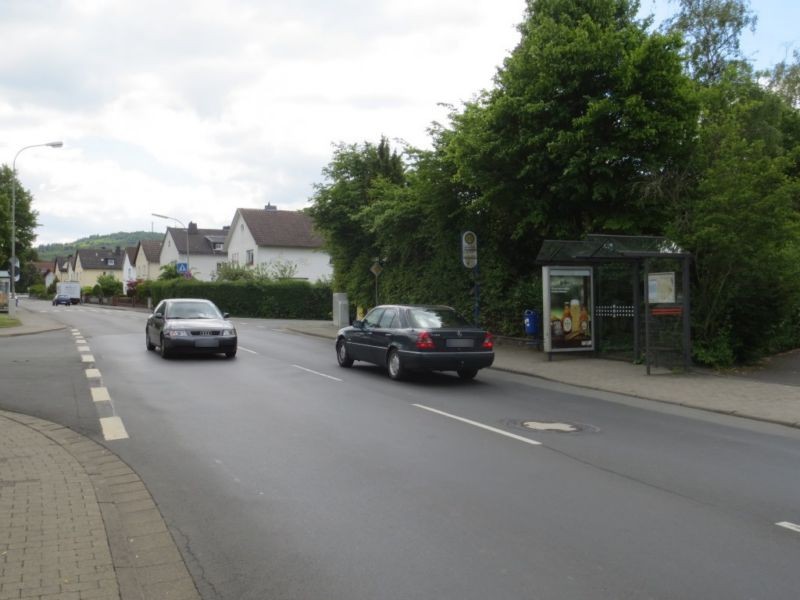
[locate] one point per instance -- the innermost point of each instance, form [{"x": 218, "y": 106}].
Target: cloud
[{"x": 195, "y": 108}]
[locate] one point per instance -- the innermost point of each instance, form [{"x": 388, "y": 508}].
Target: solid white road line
[
  {"x": 789, "y": 526},
  {"x": 113, "y": 429},
  {"x": 317, "y": 373},
  {"x": 519, "y": 438},
  {"x": 247, "y": 350}
]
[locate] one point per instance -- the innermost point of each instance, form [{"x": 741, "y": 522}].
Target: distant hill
[{"x": 122, "y": 239}]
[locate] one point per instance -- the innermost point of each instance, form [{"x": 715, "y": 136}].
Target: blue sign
[{"x": 182, "y": 268}]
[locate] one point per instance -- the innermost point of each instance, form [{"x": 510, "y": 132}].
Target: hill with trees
[{"x": 122, "y": 239}]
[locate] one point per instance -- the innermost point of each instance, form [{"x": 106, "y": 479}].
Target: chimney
[
  {"x": 226, "y": 228},
  {"x": 192, "y": 227},
  {"x": 270, "y": 207}
]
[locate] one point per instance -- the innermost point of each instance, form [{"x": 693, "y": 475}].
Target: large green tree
[
  {"x": 741, "y": 220},
  {"x": 352, "y": 183},
  {"x": 588, "y": 109},
  {"x": 25, "y": 220},
  {"x": 712, "y": 30}
]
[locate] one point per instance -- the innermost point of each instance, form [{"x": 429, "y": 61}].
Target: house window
[
  {"x": 110, "y": 262},
  {"x": 235, "y": 258},
  {"x": 218, "y": 247},
  {"x": 249, "y": 262}
]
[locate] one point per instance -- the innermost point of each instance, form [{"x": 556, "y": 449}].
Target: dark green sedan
[{"x": 405, "y": 338}]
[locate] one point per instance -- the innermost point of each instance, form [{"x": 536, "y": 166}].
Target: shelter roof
[{"x": 608, "y": 248}]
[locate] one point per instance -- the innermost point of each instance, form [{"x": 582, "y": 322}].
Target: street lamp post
[
  {"x": 12, "y": 304},
  {"x": 188, "y": 269}
]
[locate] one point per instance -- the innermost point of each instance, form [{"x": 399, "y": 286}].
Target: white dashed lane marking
[
  {"x": 790, "y": 526},
  {"x": 113, "y": 429},
  {"x": 316, "y": 373}
]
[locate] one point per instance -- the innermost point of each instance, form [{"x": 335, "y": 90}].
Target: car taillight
[
  {"x": 424, "y": 341},
  {"x": 488, "y": 341}
]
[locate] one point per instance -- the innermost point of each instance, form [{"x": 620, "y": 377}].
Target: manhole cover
[{"x": 543, "y": 426}]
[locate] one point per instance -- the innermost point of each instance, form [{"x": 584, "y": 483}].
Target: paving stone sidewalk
[{"x": 76, "y": 523}]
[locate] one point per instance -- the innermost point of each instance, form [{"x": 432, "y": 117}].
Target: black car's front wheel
[
  {"x": 394, "y": 365},
  {"x": 342, "y": 355},
  {"x": 164, "y": 352}
]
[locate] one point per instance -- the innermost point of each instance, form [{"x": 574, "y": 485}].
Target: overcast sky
[{"x": 194, "y": 108}]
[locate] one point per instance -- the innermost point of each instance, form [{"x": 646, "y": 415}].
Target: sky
[{"x": 194, "y": 108}]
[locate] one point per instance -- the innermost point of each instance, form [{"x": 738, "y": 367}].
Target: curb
[{"x": 145, "y": 557}]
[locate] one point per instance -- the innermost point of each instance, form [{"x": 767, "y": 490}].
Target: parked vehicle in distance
[
  {"x": 62, "y": 299},
  {"x": 191, "y": 326},
  {"x": 70, "y": 289},
  {"x": 406, "y": 338}
]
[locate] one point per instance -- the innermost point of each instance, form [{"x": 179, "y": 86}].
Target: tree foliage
[
  {"x": 25, "y": 218},
  {"x": 595, "y": 124},
  {"x": 712, "y": 29}
]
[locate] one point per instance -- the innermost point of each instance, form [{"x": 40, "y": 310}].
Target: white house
[
  {"x": 146, "y": 259},
  {"x": 268, "y": 236},
  {"x": 128, "y": 267},
  {"x": 206, "y": 249}
]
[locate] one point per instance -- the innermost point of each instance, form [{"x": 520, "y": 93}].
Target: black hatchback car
[{"x": 406, "y": 338}]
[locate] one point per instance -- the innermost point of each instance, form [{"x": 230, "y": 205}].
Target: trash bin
[{"x": 531, "y": 320}]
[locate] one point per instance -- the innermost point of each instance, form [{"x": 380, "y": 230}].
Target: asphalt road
[{"x": 283, "y": 476}]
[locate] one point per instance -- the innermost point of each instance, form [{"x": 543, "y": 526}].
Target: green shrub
[{"x": 257, "y": 298}]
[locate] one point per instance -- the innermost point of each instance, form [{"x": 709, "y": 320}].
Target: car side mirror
[
  {"x": 358, "y": 324},
  {"x": 158, "y": 315},
  {"x": 226, "y": 315}
]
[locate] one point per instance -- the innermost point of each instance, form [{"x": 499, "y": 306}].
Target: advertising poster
[{"x": 568, "y": 309}]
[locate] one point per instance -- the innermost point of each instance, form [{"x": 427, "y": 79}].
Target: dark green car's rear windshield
[{"x": 436, "y": 318}]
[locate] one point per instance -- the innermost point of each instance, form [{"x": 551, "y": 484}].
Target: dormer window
[
  {"x": 218, "y": 247},
  {"x": 110, "y": 262}
]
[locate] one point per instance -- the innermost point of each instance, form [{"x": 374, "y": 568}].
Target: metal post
[
  {"x": 637, "y": 310},
  {"x": 13, "y": 299},
  {"x": 687, "y": 306},
  {"x": 647, "y": 314},
  {"x": 188, "y": 267}
]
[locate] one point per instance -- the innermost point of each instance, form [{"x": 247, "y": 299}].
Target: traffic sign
[
  {"x": 376, "y": 268},
  {"x": 182, "y": 268},
  {"x": 469, "y": 249}
]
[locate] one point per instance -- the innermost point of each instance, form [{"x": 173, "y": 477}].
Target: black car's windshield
[
  {"x": 192, "y": 310},
  {"x": 436, "y": 318}
]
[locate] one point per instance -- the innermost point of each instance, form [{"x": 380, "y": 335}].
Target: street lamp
[
  {"x": 12, "y": 302},
  {"x": 188, "y": 270}
]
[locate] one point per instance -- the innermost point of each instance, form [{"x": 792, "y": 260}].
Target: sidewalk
[{"x": 76, "y": 523}]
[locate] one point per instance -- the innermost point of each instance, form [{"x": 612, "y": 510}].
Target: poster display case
[{"x": 568, "y": 308}]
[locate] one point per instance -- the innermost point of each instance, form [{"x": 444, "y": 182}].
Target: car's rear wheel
[
  {"x": 342, "y": 355},
  {"x": 164, "y": 352},
  {"x": 467, "y": 373},
  {"x": 394, "y": 365},
  {"x": 147, "y": 342}
]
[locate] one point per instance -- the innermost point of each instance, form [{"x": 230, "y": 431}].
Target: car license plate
[
  {"x": 206, "y": 343},
  {"x": 460, "y": 343}
]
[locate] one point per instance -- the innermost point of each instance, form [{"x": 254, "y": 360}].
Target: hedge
[{"x": 259, "y": 299}]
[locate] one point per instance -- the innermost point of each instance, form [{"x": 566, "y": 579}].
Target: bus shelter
[{"x": 618, "y": 296}]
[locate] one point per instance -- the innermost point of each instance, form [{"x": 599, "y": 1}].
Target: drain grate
[{"x": 548, "y": 426}]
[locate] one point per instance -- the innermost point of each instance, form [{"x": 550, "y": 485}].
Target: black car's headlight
[{"x": 176, "y": 333}]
